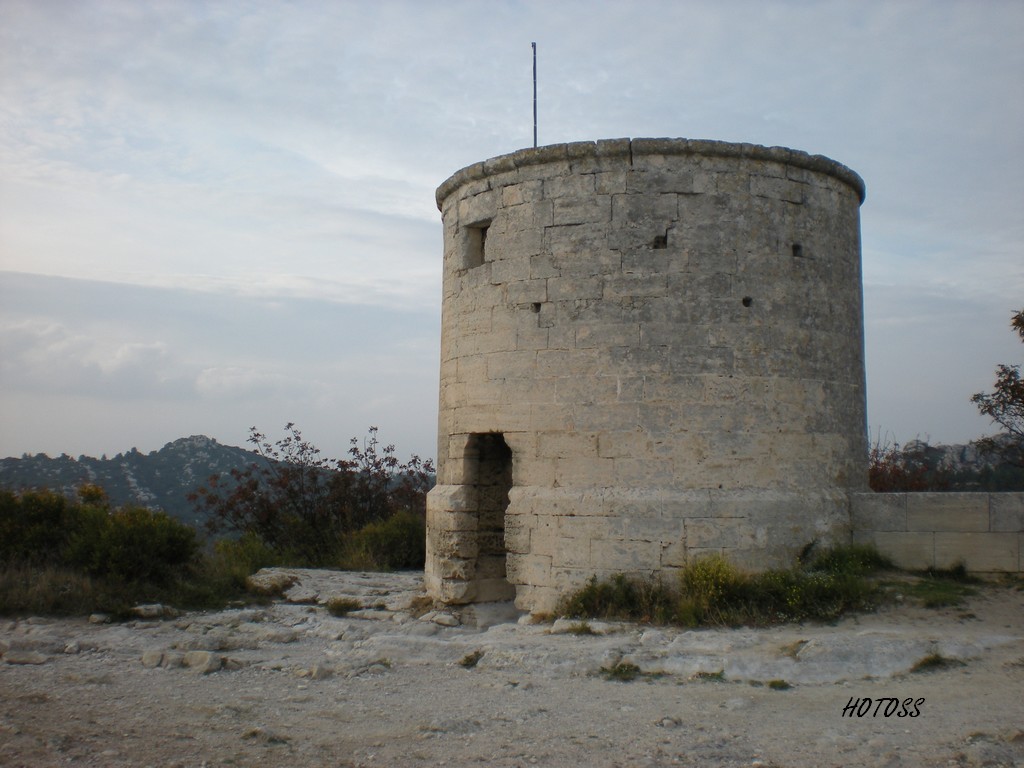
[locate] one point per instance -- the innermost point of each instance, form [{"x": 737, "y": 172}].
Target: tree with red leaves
[
  {"x": 1005, "y": 406},
  {"x": 303, "y": 505}
]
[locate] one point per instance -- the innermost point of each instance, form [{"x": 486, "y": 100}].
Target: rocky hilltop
[{"x": 159, "y": 480}]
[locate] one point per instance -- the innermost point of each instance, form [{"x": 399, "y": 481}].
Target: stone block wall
[
  {"x": 984, "y": 531},
  {"x": 667, "y": 337}
]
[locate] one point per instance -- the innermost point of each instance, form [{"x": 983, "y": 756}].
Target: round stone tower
[{"x": 650, "y": 349}]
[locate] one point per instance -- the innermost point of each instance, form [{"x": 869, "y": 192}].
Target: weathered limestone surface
[{"x": 667, "y": 335}]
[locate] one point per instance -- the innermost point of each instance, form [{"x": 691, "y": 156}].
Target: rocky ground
[{"x": 288, "y": 684}]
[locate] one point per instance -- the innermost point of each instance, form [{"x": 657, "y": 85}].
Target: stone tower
[{"x": 650, "y": 349}]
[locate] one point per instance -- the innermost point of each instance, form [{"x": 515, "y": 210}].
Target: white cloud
[
  {"x": 43, "y": 356},
  {"x": 238, "y": 382}
]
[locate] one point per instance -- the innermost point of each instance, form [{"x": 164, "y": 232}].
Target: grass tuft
[
  {"x": 939, "y": 588},
  {"x": 470, "y": 660},
  {"x": 933, "y": 662},
  {"x": 711, "y": 677},
  {"x": 623, "y": 672},
  {"x": 581, "y": 628}
]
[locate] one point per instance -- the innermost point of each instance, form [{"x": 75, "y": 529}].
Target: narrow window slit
[{"x": 476, "y": 244}]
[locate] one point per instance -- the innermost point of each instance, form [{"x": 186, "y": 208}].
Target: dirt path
[{"x": 295, "y": 686}]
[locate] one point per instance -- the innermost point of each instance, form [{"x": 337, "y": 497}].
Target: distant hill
[{"x": 159, "y": 480}]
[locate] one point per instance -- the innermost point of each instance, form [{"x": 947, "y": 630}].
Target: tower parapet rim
[{"x": 634, "y": 147}]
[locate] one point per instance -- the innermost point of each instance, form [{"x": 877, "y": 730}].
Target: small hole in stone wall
[
  {"x": 747, "y": 301},
  {"x": 798, "y": 250},
  {"x": 660, "y": 242},
  {"x": 536, "y": 307}
]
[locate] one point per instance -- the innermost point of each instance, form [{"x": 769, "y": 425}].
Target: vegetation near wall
[{"x": 712, "y": 591}]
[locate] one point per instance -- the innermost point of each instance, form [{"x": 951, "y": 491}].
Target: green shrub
[
  {"x": 833, "y": 585},
  {"x": 59, "y": 556},
  {"x": 33, "y": 526},
  {"x": 398, "y": 542},
  {"x": 42, "y": 528},
  {"x": 711, "y": 581},
  {"x": 86, "y": 539},
  {"x": 235, "y": 560},
  {"x": 146, "y": 545},
  {"x": 131, "y": 543},
  {"x": 603, "y": 599}
]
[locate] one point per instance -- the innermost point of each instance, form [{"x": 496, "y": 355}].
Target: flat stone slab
[{"x": 392, "y": 591}]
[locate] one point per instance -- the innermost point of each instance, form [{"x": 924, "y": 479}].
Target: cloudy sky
[{"x": 217, "y": 215}]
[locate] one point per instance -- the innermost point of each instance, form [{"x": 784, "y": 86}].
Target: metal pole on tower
[{"x": 534, "y": 95}]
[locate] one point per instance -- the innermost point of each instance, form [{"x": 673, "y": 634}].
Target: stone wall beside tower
[{"x": 651, "y": 349}]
